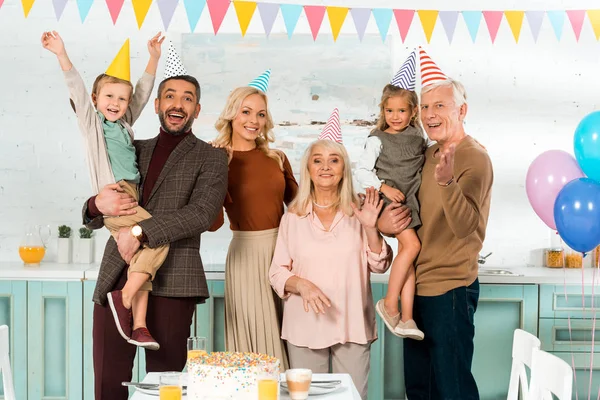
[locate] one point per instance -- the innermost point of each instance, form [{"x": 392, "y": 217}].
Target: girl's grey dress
[{"x": 399, "y": 165}]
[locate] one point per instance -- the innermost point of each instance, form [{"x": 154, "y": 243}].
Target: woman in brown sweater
[{"x": 260, "y": 183}]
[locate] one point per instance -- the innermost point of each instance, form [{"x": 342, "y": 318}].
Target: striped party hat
[
  {"x": 174, "y": 66},
  {"x": 405, "y": 78},
  {"x": 262, "y": 82},
  {"x": 332, "y": 129},
  {"x": 430, "y": 72}
]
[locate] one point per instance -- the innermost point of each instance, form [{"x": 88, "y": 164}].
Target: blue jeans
[{"x": 439, "y": 367}]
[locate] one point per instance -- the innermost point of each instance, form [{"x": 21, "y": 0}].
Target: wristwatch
[
  {"x": 137, "y": 232},
  {"x": 447, "y": 183}
]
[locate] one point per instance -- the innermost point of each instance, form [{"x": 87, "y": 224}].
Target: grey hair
[{"x": 458, "y": 90}]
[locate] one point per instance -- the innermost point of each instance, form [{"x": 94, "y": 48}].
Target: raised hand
[
  {"x": 368, "y": 213},
  {"x": 444, "y": 171},
  {"x": 155, "y": 45},
  {"x": 52, "y": 42}
]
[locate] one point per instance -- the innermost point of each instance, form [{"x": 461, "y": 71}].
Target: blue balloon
[
  {"x": 577, "y": 214},
  {"x": 587, "y": 145}
]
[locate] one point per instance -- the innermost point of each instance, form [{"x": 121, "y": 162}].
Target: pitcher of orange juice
[{"x": 33, "y": 244}]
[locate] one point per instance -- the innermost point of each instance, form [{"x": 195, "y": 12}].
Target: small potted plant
[
  {"x": 86, "y": 248},
  {"x": 63, "y": 252}
]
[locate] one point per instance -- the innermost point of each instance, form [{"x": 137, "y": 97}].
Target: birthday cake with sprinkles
[{"x": 228, "y": 375}]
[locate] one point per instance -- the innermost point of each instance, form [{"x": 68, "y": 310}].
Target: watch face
[{"x": 136, "y": 230}]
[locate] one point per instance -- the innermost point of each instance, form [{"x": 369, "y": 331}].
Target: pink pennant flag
[
  {"x": 404, "y": 19},
  {"x": 167, "y": 9},
  {"x": 1, "y": 1},
  {"x": 332, "y": 129},
  {"x": 315, "y": 15},
  {"x": 576, "y": 18},
  {"x": 217, "y": 10},
  {"x": 492, "y": 20},
  {"x": 114, "y": 7}
]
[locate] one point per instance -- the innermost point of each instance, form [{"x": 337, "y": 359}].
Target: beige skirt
[{"x": 252, "y": 309}]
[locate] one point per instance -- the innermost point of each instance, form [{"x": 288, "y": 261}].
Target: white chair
[
  {"x": 522, "y": 349},
  {"x": 550, "y": 375},
  {"x": 7, "y": 379}
]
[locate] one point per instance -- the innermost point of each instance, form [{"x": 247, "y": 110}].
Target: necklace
[{"x": 320, "y": 206}]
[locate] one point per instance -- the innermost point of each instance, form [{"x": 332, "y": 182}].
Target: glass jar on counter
[
  {"x": 573, "y": 259},
  {"x": 554, "y": 257},
  {"x": 596, "y": 257}
]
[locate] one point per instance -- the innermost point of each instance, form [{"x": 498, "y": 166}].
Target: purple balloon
[{"x": 546, "y": 177}]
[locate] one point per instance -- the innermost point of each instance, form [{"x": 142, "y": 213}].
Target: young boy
[{"x": 105, "y": 125}]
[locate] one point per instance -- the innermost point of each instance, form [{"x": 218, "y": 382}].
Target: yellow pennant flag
[
  {"x": 515, "y": 21},
  {"x": 140, "y": 8},
  {"x": 245, "y": 11},
  {"x": 428, "y": 19},
  {"x": 27, "y": 4},
  {"x": 337, "y": 16},
  {"x": 594, "y": 17},
  {"x": 119, "y": 68}
]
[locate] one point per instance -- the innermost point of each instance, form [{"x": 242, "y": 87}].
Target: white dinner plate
[{"x": 316, "y": 389}]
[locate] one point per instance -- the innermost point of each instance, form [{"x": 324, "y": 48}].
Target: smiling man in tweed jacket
[{"x": 184, "y": 184}]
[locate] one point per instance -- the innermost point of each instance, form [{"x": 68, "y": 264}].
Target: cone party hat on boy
[
  {"x": 262, "y": 81},
  {"x": 332, "y": 129},
  {"x": 430, "y": 72},
  {"x": 406, "y": 76},
  {"x": 174, "y": 66},
  {"x": 119, "y": 68}
]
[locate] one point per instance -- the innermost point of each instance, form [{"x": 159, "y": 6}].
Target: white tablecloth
[{"x": 346, "y": 392}]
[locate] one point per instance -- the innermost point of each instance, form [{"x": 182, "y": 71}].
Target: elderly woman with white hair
[{"x": 326, "y": 249}]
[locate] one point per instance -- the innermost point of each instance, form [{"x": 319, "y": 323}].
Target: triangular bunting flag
[
  {"x": 140, "y": 9},
  {"x": 428, "y": 19},
  {"x": 174, "y": 66},
  {"x": 59, "y": 7},
  {"x": 576, "y": 18},
  {"x": 268, "y": 13},
  {"x": 337, "y": 16},
  {"x": 290, "y": 14},
  {"x": 193, "y": 9},
  {"x": 557, "y": 19},
  {"x": 27, "y": 4},
  {"x": 492, "y": 20},
  {"x": 245, "y": 11},
  {"x": 84, "y": 8},
  {"x": 114, "y": 8},
  {"x": 405, "y": 78},
  {"x": 535, "y": 18},
  {"x": 332, "y": 129},
  {"x": 515, "y": 21},
  {"x": 167, "y": 9},
  {"x": 430, "y": 72},
  {"x": 1, "y": 2},
  {"x": 217, "y": 10},
  {"x": 473, "y": 20},
  {"x": 449, "y": 19},
  {"x": 315, "y": 15},
  {"x": 594, "y": 17},
  {"x": 262, "y": 81},
  {"x": 383, "y": 17},
  {"x": 119, "y": 68},
  {"x": 361, "y": 19},
  {"x": 404, "y": 19}
]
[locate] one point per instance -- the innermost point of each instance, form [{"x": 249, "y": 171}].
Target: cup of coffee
[{"x": 298, "y": 382}]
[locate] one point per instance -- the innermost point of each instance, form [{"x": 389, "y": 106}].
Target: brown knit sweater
[{"x": 454, "y": 219}]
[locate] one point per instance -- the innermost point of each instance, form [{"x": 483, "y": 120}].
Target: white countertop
[{"x": 520, "y": 275}]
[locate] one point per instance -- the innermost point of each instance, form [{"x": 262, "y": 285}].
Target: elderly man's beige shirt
[{"x": 454, "y": 219}]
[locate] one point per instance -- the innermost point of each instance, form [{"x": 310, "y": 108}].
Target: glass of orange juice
[
  {"x": 268, "y": 386},
  {"x": 170, "y": 386},
  {"x": 196, "y": 347}
]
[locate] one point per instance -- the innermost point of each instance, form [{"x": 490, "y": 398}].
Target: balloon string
[{"x": 593, "y": 334}]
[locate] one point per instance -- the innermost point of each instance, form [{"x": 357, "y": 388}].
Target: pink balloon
[{"x": 546, "y": 176}]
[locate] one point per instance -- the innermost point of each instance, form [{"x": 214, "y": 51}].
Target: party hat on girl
[
  {"x": 332, "y": 129},
  {"x": 262, "y": 81},
  {"x": 405, "y": 78}
]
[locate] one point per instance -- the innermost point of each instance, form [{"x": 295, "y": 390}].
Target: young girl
[{"x": 392, "y": 162}]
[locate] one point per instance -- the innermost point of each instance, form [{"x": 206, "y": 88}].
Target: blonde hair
[
  {"x": 103, "y": 79},
  {"x": 411, "y": 98},
  {"x": 458, "y": 90},
  {"x": 306, "y": 188},
  {"x": 231, "y": 110}
]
